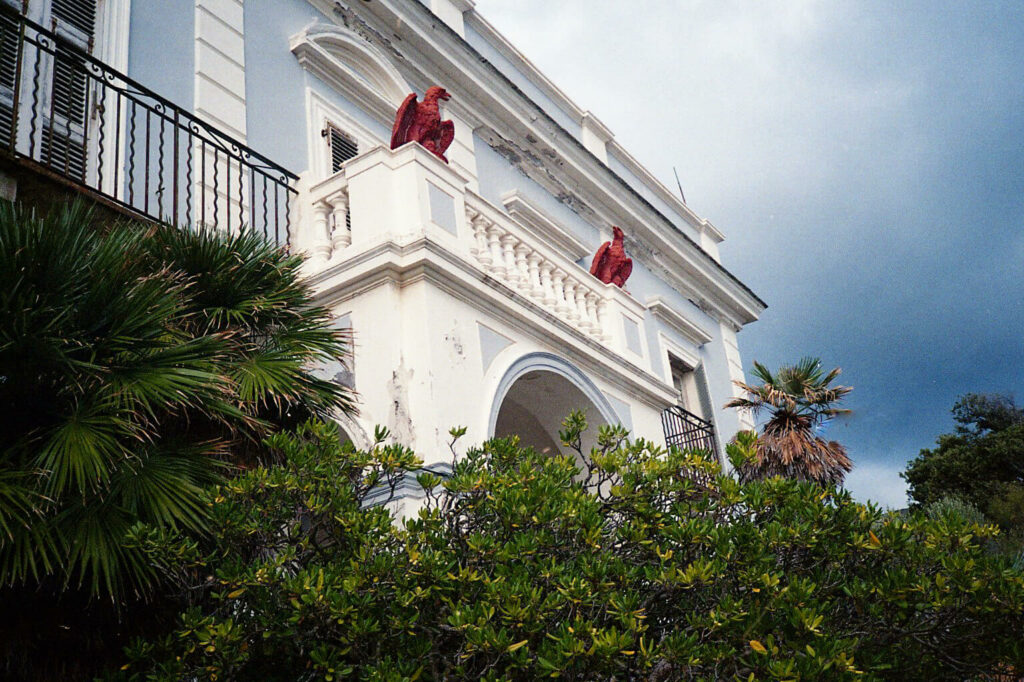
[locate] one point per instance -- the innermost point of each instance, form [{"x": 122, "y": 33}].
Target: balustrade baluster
[
  {"x": 522, "y": 272},
  {"x": 321, "y": 246},
  {"x": 494, "y": 234},
  {"x": 571, "y": 310},
  {"x": 558, "y": 282},
  {"x": 533, "y": 275},
  {"x": 581, "y": 307},
  {"x": 508, "y": 257},
  {"x": 341, "y": 237},
  {"x": 591, "y": 307},
  {"x": 546, "y": 284}
]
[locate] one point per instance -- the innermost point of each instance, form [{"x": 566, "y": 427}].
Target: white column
[{"x": 494, "y": 234}]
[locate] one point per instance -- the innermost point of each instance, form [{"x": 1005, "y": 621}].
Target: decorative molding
[
  {"x": 595, "y": 136},
  {"x": 665, "y": 313},
  {"x": 320, "y": 112},
  {"x": 668, "y": 346},
  {"x": 326, "y": 50},
  {"x": 220, "y": 65},
  {"x": 542, "y": 225}
]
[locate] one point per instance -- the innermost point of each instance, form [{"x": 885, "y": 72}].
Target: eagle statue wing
[
  {"x": 595, "y": 266},
  {"x": 620, "y": 277},
  {"x": 445, "y": 136},
  {"x": 403, "y": 121}
]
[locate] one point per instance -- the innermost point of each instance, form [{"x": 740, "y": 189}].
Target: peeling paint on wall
[{"x": 399, "y": 419}]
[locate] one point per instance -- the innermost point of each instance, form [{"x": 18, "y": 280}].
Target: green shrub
[{"x": 641, "y": 565}]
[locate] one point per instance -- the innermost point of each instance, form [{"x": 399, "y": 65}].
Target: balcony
[
  {"x": 78, "y": 122},
  {"x": 687, "y": 431},
  {"x": 407, "y": 196}
]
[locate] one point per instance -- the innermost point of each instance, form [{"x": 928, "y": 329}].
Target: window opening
[
  {"x": 343, "y": 147},
  {"x": 691, "y": 388}
]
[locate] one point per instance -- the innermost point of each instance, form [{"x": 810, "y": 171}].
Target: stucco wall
[{"x": 161, "y": 48}]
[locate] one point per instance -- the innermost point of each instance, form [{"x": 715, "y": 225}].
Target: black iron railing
[
  {"x": 687, "y": 431},
  {"x": 74, "y": 117}
]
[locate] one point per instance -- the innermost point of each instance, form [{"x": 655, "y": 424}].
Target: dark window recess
[{"x": 343, "y": 147}]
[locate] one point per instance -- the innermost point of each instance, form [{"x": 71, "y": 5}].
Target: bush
[{"x": 642, "y": 564}]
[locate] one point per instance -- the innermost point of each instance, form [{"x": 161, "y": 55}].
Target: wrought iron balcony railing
[
  {"x": 687, "y": 431},
  {"x": 74, "y": 118}
]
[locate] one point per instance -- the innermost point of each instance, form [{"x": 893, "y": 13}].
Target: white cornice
[
  {"x": 542, "y": 225},
  {"x": 671, "y": 317}
]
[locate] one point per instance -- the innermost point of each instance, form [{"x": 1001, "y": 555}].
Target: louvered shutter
[
  {"x": 9, "y": 30},
  {"x": 64, "y": 138},
  {"x": 343, "y": 148}
]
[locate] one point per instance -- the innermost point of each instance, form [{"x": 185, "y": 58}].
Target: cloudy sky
[{"x": 865, "y": 161}]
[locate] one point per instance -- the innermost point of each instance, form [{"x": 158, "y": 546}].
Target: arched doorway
[{"x": 536, "y": 393}]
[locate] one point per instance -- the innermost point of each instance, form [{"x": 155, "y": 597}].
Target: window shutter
[
  {"x": 81, "y": 14},
  {"x": 64, "y": 140},
  {"x": 343, "y": 148},
  {"x": 9, "y": 30}
]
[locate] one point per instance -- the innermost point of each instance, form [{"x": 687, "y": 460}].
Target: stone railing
[
  {"x": 510, "y": 255},
  {"x": 331, "y": 228},
  {"x": 406, "y": 194}
]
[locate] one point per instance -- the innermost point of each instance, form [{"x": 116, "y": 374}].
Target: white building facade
[{"x": 466, "y": 284}]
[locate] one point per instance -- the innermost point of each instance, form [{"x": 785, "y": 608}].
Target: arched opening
[
  {"x": 535, "y": 406},
  {"x": 536, "y": 393}
]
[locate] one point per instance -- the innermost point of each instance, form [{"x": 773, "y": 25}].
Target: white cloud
[{"x": 878, "y": 483}]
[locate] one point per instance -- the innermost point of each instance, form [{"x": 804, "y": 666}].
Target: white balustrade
[
  {"x": 331, "y": 232},
  {"x": 536, "y": 271}
]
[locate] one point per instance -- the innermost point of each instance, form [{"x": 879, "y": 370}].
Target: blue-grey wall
[
  {"x": 496, "y": 177},
  {"x": 653, "y": 199},
  {"x": 275, "y": 82},
  {"x": 161, "y": 48}
]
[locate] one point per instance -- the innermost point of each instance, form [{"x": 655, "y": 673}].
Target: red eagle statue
[
  {"x": 611, "y": 264},
  {"x": 421, "y": 122}
]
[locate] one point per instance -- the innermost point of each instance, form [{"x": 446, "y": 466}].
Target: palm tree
[
  {"x": 799, "y": 399},
  {"x": 138, "y": 364}
]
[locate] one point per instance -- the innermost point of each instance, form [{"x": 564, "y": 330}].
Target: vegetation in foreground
[
  {"x": 642, "y": 565},
  {"x": 137, "y": 364}
]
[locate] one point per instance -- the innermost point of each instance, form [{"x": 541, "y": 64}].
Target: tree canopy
[
  {"x": 629, "y": 563},
  {"x": 980, "y": 463},
  {"x": 798, "y": 399}
]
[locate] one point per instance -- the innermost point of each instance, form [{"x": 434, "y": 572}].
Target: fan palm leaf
[
  {"x": 135, "y": 365},
  {"x": 797, "y": 400}
]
